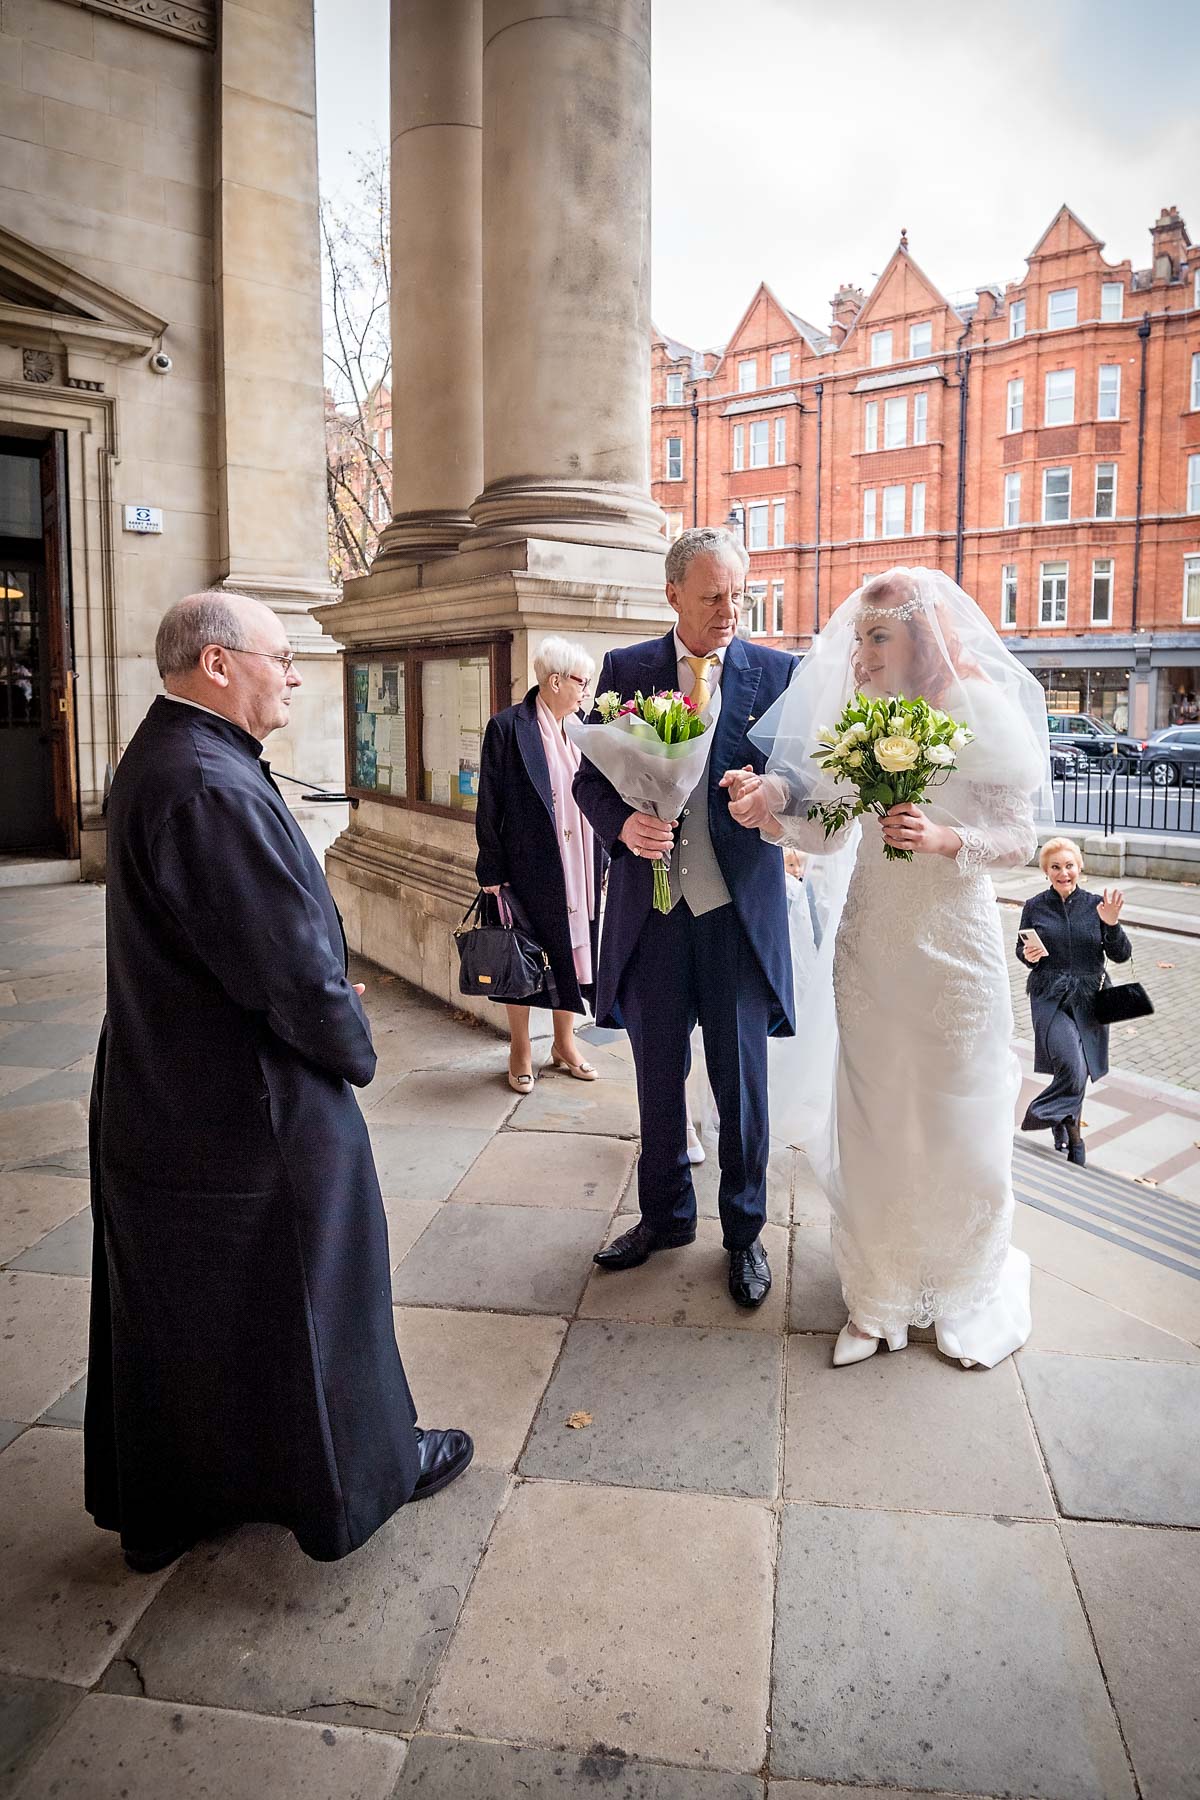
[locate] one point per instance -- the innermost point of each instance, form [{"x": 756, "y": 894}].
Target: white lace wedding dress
[{"x": 915, "y": 1150}]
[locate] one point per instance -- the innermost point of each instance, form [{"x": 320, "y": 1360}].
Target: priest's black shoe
[
  {"x": 443, "y": 1456},
  {"x": 149, "y": 1562},
  {"x": 749, "y": 1275},
  {"x": 636, "y": 1246}
]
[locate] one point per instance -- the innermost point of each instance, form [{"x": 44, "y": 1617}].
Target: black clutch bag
[
  {"x": 499, "y": 958},
  {"x": 1112, "y": 1005}
]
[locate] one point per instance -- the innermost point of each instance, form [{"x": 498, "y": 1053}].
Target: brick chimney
[
  {"x": 846, "y": 305},
  {"x": 1169, "y": 241}
]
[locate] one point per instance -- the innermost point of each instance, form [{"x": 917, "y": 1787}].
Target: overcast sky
[{"x": 792, "y": 141}]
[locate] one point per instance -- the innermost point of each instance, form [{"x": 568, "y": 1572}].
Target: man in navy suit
[{"x": 721, "y": 955}]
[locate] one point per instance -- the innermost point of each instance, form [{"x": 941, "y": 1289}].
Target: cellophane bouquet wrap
[
  {"x": 653, "y": 749},
  {"x": 890, "y": 751}
]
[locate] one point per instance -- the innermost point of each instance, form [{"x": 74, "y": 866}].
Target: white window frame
[
  {"x": 1016, "y": 319},
  {"x": 760, "y": 444},
  {"x": 780, "y": 436},
  {"x": 871, "y": 425},
  {"x": 916, "y": 523},
  {"x": 1191, "y": 603},
  {"x": 895, "y": 422},
  {"x": 1196, "y": 286},
  {"x": 1112, "y": 300},
  {"x": 739, "y": 447},
  {"x": 1104, "y": 568},
  {"x": 758, "y": 526},
  {"x": 777, "y": 608},
  {"x": 1108, "y": 391},
  {"x": 781, "y": 359},
  {"x": 915, "y": 352},
  {"x": 674, "y": 459},
  {"x": 756, "y": 607},
  {"x": 1012, "y": 499},
  {"x": 893, "y": 497},
  {"x": 747, "y": 374},
  {"x": 387, "y": 442},
  {"x": 778, "y": 524},
  {"x": 920, "y": 433},
  {"x": 674, "y": 388},
  {"x": 674, "y": 526},
  {"x": 1193, "y": 485},
  {"x": 1014, "y": 409},
  {"x": 881, "y": 349},
  {"x": 1062, "y": 401},
  {"x": 1096, "y": 513},
  {"x": 1056, "y": 316},
  {"x": 1008, "y": 596},
  {"x": 1063, "y": 518},
  {"x": 1195, "y": 400},
  {"x": 870, "y": 513},
  {"x": 1056, "y": 599}
]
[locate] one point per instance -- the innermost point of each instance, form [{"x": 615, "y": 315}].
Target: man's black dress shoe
[
  {"x": 749, "y": 1275},
  {"x": 443, "y": 1457},
  {"x": 636, "y": 1246},
  {"x": 149, "y": 1562}
]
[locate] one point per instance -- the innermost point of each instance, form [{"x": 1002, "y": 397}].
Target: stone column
[
  {"x": 566, "y": 273},
  {"x": 437, "y": 252}
]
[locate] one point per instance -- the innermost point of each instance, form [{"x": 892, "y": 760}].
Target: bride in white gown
[{"x": 905, "y": 1078}]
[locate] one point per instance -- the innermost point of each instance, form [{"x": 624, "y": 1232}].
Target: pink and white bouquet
[{"x": 653, "y": 750}]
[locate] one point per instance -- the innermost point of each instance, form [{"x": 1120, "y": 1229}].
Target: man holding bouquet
[{"x": 720, "y": 954}]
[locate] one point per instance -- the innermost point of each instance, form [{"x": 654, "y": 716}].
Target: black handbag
[
  {"x": 1129, "y": 1000},
  {"x": 498, "y": 957}
]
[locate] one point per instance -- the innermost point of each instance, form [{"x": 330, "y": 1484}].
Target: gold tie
[{"x": 700, "y": 665}]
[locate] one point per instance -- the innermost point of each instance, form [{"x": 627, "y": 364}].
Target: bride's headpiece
[{"x": 907, "y": 610}]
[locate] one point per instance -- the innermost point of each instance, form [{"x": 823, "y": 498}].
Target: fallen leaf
[
  {"x": 1166, "y": 965},
  {"x": 578, "y": 1420},
  {"x": 1131, "y": 1031}
]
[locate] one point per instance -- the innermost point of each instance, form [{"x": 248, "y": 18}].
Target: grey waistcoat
[{"x": 695, "y": 874}]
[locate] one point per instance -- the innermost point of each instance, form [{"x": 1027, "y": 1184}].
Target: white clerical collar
[
  {"x": 180, "y": 701},
  {"x": 682, "y": 651}
]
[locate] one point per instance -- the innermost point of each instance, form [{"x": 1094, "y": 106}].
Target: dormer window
[
  {"x": 881, "y": 348},
  {"x": 747, "y": 374},
  {"x": 675, "y": 389},
  {"x": 920, "y": 339}
]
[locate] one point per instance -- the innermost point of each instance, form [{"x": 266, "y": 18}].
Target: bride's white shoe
[{"x": 853, "y": 1348}]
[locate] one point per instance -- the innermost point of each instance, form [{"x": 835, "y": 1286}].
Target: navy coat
[
  {"x": 752, "y": 679},
  {"x": 1078, "y": 941},
  {"x": 517, "y": 834},
  {"x": 243, "y": 1361}
]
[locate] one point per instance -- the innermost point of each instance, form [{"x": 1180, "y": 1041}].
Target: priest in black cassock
[{"x": 243, "y": 1363}]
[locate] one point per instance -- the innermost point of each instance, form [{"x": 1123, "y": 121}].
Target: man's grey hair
[
  {"x": 556, "y": 656},
  {"x": 704, "y": 540},
  {"x": 212, "y": 617}
]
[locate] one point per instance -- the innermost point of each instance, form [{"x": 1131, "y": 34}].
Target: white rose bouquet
[{"x": 892, "y": 751}]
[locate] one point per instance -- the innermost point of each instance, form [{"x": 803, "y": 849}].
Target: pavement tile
[
  {"x": 63, "y": 1162},
  {"x": 33, "y": 1203},
  {"x": 706, "y": 1180},
  {"x": 593, "y": 1603},
  {"x": 67, "y": 1250},
  {"x": 1122, "y": 1439},
  {"x": 937, "y": 1653},
  {"x": 10, "y": 1431},
  {"x": 69, "y": 1600},
  {"x": 501, "y": 1258},
  {"x": 671, "y": 1408},
  {"x": 406, "y": 1220},
  {"x": 550, "y": 1169},
  {"x": 816, "y": 1293},
  {"x": 689, "y": 1286},
  {"x": 29, "y": 1712},
  {"x": 1141, "y": 1590},
  {"x": 68, "y": 1410},
  {"x": 809, "y": 1205},
  {"x": 459, "y": 1098},
  {"x": 1161, "y": 1297},
  {"x": 1141, "y": 1147},
  {"x": 142, "y": 1750},
  {"x": 1068, "y": 1320},
  {"x": 33, "y": 1135},
  {"x": 448, "y": 1768},
  {"x": 604, "y": 1108},
  {"x": 58, "y": 1084},
  {"x": 817, "y": 1790},
  {"x": 14, "y": 1080},
  {"x": 909, "y": 1432},
  {"x": 482, "y": 1372},
  {"x": 44, "y": 1330},
  {"x": 251, "y": 1623},
  {"x": 46, "y": 1044},
  {"x": 415, "y": 1164}
]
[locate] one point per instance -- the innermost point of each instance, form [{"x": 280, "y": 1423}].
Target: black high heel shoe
[
  {"x": 1076, "y": 1150},
  {"x": 1061, "y": 1140}
]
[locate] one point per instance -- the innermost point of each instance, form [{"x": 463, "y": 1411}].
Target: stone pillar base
[
  {"x": 417, "y": 536},
  {"x": 603, "y": 512}
]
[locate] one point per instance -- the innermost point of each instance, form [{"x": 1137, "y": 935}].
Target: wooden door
[{"x": 60, "y": 652}]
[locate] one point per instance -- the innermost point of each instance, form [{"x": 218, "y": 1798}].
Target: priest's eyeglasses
[{"x": 285, "y": 661}]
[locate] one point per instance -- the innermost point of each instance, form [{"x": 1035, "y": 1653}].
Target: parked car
[
  {"x": 1094, "y": 739},
  {"x": 1066, "y": 763},
  {"x": 1172, "y": 755}
]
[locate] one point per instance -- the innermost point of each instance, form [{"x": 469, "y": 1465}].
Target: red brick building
[{"x": 1041, "y": 442}]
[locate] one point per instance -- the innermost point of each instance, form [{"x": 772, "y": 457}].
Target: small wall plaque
[{"x": 143, "y": 518}]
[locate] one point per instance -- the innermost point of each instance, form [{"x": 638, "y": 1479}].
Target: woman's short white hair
[{"x": 556, "y": 656}]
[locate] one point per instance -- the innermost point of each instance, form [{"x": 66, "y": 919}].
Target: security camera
[{"x": 161, "y": 363}]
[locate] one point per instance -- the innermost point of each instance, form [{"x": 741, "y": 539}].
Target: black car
[
  {"x": 1172, "y": 756},
  {"x": 1093, "y": 739}
]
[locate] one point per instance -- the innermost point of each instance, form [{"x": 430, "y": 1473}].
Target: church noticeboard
[{"x": 415, "y": 719}]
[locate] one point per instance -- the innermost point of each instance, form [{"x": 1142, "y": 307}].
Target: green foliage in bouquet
[
  {"x": 891, "y": 751},
  {"x": 670, "y": 716}
]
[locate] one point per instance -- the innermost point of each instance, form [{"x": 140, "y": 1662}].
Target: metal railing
[{"x": 1105, "y": 798}]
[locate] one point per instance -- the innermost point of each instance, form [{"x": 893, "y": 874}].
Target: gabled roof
[
  {"x": 899, "y": 258},
  {"x": 815, "y": 339},
  {"x": 1071, "y": 232},
  {"x": 674, "y": 349},
  {"x": 49, "y": 302}
]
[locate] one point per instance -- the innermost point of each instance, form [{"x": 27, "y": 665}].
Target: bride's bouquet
[
  {"x": 891, "y": 751},
  {"x": 653, "y": 751}
]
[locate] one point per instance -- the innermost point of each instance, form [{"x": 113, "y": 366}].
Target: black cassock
[{"x": 243, "y": 1363}]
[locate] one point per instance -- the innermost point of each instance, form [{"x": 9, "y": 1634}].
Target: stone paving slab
[
  {"x": 1075, "y": 1323},
  {"x": 689, "y": 1286},
  {"x": 549, "y": 1169},
  {"x": 816, "y": 1293},
  {"x": 909, "y": 1432},
  {"x": 483, "y": 1372},
  {"x": 13, "y": 1079},
  {"x": 1160, "y": 1296},
  {"x": 503, "y": 1258},
  {"x": 116, "y": 1748},
  {"x": 937, "y": 1653},
  {"x": 47, "y": 1044},
  {"x": 604, "y": 1108},
  {"x": 69, "y": 1160},
  {"x": 33, "y": 1203},
  {"x": 440, "y": 1768},
  {"x": 809, "y": 1205},
  {"x": 671, "y": 1408},
  {"x": 59, "y": 1084},
  {"x": 29, "y": 1712},
  {"x": 43, "y": 1327},
  {"x": 68, "y": 1410},
  {"x": 458, "y": 1098},
  {"x": 1122, "y": 1439},
  {"x": 10, "y": 1430},
  {"x": 593, "y": 1604},
  {"x": 34, "y": 1135},
  {"x": 818, "y": 1790},
  {"x": 69, "y": 1600},
  {"x": 1142, "y": 1594},
  {"x": 250, "y": 1622},
  {"x": 67, "y": 1250},
  {"x": 406, "y": 1220},
  {"x": 414, "y": 1164},
  {"x": 706, "y": 1180}
]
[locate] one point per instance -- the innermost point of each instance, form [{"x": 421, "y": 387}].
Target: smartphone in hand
[{"x": 1032, "y": 941}]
